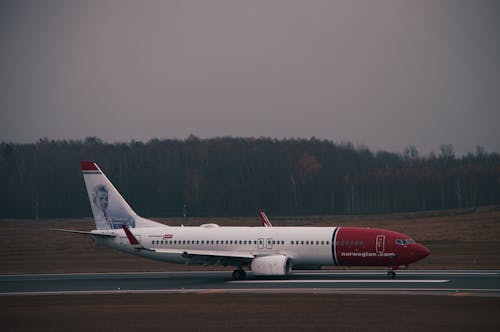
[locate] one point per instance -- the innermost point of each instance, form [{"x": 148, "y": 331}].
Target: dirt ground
[
  {"x": 463, "y": 239},
  {"x": 249, "y": 312}
]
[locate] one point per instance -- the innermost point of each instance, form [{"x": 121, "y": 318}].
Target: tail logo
[
  {"x": 105, "y": 217},
  {"x": 100, "y": 198}
]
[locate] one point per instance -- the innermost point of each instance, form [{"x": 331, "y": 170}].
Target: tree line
[{"x": 239, "y": 176}]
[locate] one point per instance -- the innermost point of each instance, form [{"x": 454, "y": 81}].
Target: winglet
[
  {"x": 132, "y": 239},
  {"x": 265, "y": 221}
]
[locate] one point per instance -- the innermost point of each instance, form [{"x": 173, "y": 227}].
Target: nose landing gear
[{"x": 391, "y": 274}]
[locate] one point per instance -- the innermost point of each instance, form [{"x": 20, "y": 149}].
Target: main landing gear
[
  {"x": 391, "y": 274},
  {"x": 239, "y": 274}
]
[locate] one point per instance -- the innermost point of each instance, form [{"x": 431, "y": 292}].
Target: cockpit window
[{"x": 403, "y": 242}]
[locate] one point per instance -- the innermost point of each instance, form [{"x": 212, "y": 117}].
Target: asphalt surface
[{"x": 457, "y": 282}]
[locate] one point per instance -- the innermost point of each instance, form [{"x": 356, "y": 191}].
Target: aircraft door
[
  {"x": 269, "y": 243},
  {"x": 260, "y": 243},
  {"x": 380, "y": 244}
]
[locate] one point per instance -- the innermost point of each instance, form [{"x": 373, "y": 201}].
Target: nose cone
[{"x": 421, "y": 251}]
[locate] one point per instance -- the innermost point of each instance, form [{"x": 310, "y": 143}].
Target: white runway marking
[
  {"x": 406, "y": 273},
  {"x": 340, "y": 281}
]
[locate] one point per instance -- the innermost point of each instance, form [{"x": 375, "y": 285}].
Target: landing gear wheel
[
  {"x": 391, "y": 274},
  {"x": 239, "y": 274}
]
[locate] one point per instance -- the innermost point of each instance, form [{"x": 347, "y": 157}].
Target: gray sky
[{"x": 386, "y": 74}]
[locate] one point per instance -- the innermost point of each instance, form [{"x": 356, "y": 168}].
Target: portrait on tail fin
[
  {"x": 108, "y": 215},
  {"x": 100, "y": 199}
]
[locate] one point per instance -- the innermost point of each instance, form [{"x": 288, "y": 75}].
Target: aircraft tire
[{"x": 239, "y": 274}]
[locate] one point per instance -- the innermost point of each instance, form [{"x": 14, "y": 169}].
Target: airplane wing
[
  {"x": 210, "y": 257},
  {"x": 83, "y": 232},
  {"x": 206, "y": 257}
]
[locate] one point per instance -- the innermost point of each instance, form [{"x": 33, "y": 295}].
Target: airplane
[
  {"x": 264, "y": 219},
  {"x": 266, "y": 251}
]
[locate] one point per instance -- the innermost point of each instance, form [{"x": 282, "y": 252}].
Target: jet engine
[{"x": 275, "y": 265}]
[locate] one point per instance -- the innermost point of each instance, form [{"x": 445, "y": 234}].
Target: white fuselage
[{"x": 302, "y": 245}]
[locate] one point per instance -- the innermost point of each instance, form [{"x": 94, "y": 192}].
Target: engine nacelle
[{"x": 275, "y": 265}]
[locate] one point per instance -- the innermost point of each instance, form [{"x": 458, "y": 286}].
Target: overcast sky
[{"x": 385, "y": 74}]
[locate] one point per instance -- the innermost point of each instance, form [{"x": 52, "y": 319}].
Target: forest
[{"x": 230, "y": 176}]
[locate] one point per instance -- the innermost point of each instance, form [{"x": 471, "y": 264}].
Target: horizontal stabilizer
[{"x": 83, "y": 232}]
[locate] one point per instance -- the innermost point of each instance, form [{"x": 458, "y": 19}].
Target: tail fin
[{"x": 110, "y": 210}]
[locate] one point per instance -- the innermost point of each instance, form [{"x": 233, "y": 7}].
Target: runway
[{"x": 460, "y": 283}]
